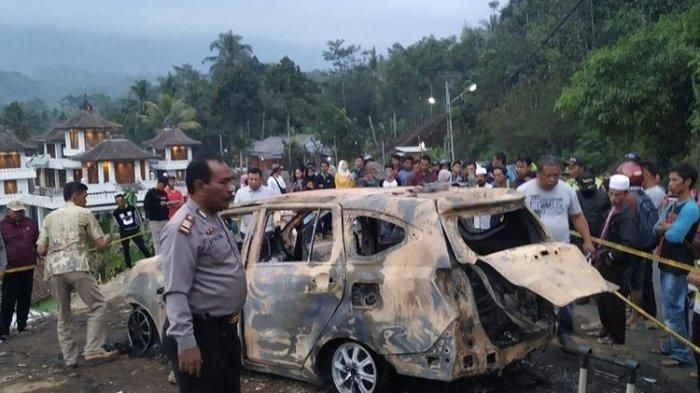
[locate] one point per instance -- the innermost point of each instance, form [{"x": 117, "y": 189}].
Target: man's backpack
[{"x": 648, "y": 217}]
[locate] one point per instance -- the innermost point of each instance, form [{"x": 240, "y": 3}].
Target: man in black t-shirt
[
  {"x": 129, "y": 223},
  {"x": 155, "y": 204}
]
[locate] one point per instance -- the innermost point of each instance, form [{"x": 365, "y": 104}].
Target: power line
[{"x": 544, "y": 42}]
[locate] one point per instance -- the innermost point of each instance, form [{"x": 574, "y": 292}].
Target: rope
[
  {"x": 659, "y": 323},
  {"x": 121, "y": 239},
  {"x": 650, "y": 258},
  {"x": 645, "y": 255}
]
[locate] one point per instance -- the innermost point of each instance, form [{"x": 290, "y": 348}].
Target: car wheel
[
  {"x": 355, "y": 369},
  {"x": 142, "y": 331}
]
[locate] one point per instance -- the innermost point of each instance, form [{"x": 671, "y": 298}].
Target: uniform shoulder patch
[{"x": 186, "y": 225}]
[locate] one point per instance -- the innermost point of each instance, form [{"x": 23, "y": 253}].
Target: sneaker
[
  {"x": 171, "y": 378},
  {"x": 3, "y": 338},
  {"x": 592, "y": 326},
  {"x": 100, "y": 355}
]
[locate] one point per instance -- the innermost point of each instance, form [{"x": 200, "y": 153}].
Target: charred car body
[{"x": 349, "y": 286}]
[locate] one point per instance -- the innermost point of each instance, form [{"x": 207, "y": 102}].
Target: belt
[{"x": 230, "y": 319}]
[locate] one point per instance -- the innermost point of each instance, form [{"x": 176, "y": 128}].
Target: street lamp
[{"x": 448, "y": 103}]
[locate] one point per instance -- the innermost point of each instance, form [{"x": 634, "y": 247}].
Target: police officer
[{"x": 205, "y": 285}]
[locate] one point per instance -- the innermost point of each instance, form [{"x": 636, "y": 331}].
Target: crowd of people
[{"x": 627, "y": 207}]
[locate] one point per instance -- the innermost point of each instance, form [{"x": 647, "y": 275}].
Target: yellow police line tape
[
  {"x": 659, "y": 323},
  {"x": 30, "y": 267},
  {"x": 645, "y": 255},
  {"x": 651, "y": 258}
]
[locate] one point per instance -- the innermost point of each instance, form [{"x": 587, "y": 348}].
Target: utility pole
[{"x": 448, "y": 105}]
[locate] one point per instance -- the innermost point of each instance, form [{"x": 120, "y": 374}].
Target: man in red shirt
[
  {"x": 175, "y": 198},
  {"x": 19, "y": 234}
]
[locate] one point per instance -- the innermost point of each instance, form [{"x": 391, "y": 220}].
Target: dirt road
[{"x": 31, "y": 362}]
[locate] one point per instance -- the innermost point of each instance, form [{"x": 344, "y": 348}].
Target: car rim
[
  {"x": 140, "y": 332},
  {"x": 354, "y": 369}
]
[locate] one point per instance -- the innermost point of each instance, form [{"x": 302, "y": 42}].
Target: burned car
[{"x": 352, "y": 286}]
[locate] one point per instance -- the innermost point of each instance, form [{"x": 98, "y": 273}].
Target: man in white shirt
[
  {"x": 255, "y": 191},
  {"x": 276, "y": 182},
  {"x": 389, "y": 179},
  {"x": 556, "y": 203},
  {"x": 650, "y": 184}
]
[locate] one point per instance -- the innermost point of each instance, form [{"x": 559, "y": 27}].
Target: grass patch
[{"x": 47, "y": 305}]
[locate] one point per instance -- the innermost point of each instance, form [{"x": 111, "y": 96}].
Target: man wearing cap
[
  {"x": 621, "y": 226},
  {"x": 155, "y": 204},
  {"x": 577, "y": 167},
  {"x": 594, "y": 203},
  {"x": 276, "y": 182},
  {"x": 480, "y": 180},
  {"x": 19, "y": 234}
]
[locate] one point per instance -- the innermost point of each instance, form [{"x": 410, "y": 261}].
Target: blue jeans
[
  {"x": 566, "y": 321},
  {"x": 674, "y": 290}
]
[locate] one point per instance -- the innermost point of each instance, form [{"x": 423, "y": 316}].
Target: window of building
[
  {"x": 124, "y": 172},
  {"x": 10, "y": 186},
  {"x": 372, "y": 236},
  {"x": 51, "y": 150},
  {"x": 77, "y": 174},
  {"x": 178, "y": 153},
  {"x": 93, "y": 137},
  {"x": 93, "y": 178},
  {"x": 73, "y": 136},
  {"x": 9, "y": 160},
  {"x": 161, "y": 154},
  {"x": 61, "y": 178},
  {"x": 50, "y": 178},
  {"x": 143, "y": 170},
  {"x": 105, "y": 171},
  {"x": 303, "y": 235}
]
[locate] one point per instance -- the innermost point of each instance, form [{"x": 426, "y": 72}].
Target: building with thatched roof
[
  {"x": 174, "y": 150},
  {"x": 269, "y": 151},
  {"x": 88, "y": 148},
  {"x": 14, "y": 175}
]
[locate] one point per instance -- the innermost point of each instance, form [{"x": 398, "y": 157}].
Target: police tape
[
  {"x": 663, "y": 327},
  {"x": 647, "y": 256},
  {"x": 651, "y": 258}
]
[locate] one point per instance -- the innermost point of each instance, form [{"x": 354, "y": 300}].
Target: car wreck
[{"x": 348, "y": 287}]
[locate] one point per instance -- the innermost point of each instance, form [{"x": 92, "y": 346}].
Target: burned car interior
[
  {"x": 490, "y": 233},
  {"x": 297, "y": 236}
]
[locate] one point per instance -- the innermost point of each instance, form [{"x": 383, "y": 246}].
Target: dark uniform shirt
[
  {"x": 202, "y": 269},
  {"x": 152, "y": 207},
  {"x": 324, "y": 182}
]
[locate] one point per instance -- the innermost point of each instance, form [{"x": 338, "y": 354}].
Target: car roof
[{"x": 444, "y": 197}]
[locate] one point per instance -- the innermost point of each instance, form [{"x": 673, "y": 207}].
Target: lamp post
[{"x": 448, "y": 103}]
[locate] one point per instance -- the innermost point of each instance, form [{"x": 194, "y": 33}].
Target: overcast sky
[{"x": 293, "y": 27}]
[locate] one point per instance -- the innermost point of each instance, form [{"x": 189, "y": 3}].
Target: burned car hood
[{"x": 556, "y": 271}]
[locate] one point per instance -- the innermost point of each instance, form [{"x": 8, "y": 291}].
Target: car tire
[
  {"x": 352, "y": 364},
  {"x": 142, "y": 331}
]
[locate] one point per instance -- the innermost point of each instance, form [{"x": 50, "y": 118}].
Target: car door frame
[{"x": 337, "y": 261}]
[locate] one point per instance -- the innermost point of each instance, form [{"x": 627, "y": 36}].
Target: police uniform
[{"x": 205, "y": 288}]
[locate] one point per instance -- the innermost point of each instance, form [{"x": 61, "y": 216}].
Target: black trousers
[
  {"x": 648, "y": 298},
  {"x": 611, "y": 309},
  {"x": 221, "y": 357},
  {"x": 16, "y": 295},
  {"x": 138, "y": 240}
]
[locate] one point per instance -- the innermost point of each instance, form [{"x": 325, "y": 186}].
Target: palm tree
[
  {"x": 229, "y": 52},
  {"x": 141, "y": 91},
  {"x": 170, "y": 112}
]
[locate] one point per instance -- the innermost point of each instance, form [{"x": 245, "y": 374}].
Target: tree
[
  {"x": 230, "y": 52},
  {"x": 638, "y": 93},
  {"x": 170, "y": 112}
]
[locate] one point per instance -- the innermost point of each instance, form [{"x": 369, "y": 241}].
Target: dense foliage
[{"x": 589, "y": 77}]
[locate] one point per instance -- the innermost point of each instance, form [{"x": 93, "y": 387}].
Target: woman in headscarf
[{"x": 344, "y": 178}]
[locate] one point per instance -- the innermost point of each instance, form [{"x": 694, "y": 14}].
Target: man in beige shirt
[{"x": 65, "y": 238}]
